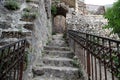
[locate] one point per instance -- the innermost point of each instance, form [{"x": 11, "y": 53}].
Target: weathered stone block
[
  {"x": 5, "y": 25},
  {"x": 29, "y": 26}
]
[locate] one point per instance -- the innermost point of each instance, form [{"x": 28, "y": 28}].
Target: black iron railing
[
  {"x": 11, "y": 60},
  {"x": 100, "y": 56}
]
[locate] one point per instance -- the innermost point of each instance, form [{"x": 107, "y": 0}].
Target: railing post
[
  {"x": 22, "y": 60},
  {"x": 74, "y": 46},
  {"x": 88, "y": 58},
  {"x": 101, "y": 57},
  {"x": 118, "y": 50},
  {"x": 21, "y": 70}
]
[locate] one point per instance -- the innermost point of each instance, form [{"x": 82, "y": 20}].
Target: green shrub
[
  {"x": 113, "y": 16},
  {"x": 33, "y": 15},
  {"x": 26, "y": 15},
  {"x": 25, "y": 63},
  {"x": 28, "y": 0},
  {"x": 53, "y": 33},
  {"x": 12, "y": 5},
  {"x": 29, "y": 16},
  {"x": 64, "y": 35},
  {"x": 53, "y": 9},
  {"x": 26, "y": 9}
]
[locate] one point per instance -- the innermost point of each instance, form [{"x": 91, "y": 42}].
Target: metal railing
[
  {"x": 11, "y": 60},
  {"x": 99, "y": 56}
]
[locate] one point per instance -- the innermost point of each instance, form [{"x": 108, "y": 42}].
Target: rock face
[
  {"x": 71, "y": 3},
  {"x": 88, "y": 19},
  {"x": 92, "y": 24},
  {"x": 81, "y": 7},
  {"x": 42, "y": 29},
  {"x": 5, "y": 25},
  {"x": 37, "y": 31},
  {"x": 95, "y": 9},
  {"x": 12, "y": 26},
  {"x": 101, "y": 10}
]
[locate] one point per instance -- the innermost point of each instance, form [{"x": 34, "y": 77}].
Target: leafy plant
[
  {"x": 28, "y": 0},
  {"x": 26, "y": 9},
  {"x": 116, "y": 64},
  {"x": 25, "y": 60},
  {"x": 12, "y": 5},
  {"x": 64, "y": 35},
  {"x": 26, "y": 15},
  {"x": 53, "y": 9},
  {"x": 53, "y": 33},
  {"x": 113, "y": 16},
  {"x": 48, "y": 42},
  {"x": 76, "y": 63},
  {"x": 29, "y": 16}
]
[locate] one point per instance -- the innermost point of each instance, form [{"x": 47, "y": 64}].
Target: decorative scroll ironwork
[
  {"x": 11, "y": 60},
  {"x": 106, "y": 53}
]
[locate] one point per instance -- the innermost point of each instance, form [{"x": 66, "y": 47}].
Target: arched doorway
[
  {"x": 59, "y": 19},
  {"x": 59, "y": 24}
]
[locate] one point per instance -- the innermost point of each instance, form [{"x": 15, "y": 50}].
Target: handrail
[
  {"x": 97, "y": 36},
  {"x": 101, "y": 55},
  {"x": 12, "y": 43},
  {"x": 11, "y": 60}
]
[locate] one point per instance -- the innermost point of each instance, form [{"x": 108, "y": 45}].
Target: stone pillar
[
  {"x": 48, "y": 8},
  {"x": 76, "y": 6}
]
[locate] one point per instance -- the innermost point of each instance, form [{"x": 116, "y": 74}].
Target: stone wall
[
  {"x": 42, "y": 25},
  {"x": 71, "y": 3},
  {"x": 81, "y": 7},
  {"x": 42, "y": 33},
  {"x": 92, "y": 24},
  {"x": 95, "y": 9},
  {"x": 38, "y": 32}
]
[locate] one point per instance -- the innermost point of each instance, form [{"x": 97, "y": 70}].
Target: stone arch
[{"x": 59, "y": 19}]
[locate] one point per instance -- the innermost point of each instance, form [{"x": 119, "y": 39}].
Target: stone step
[
  {"x": 56, "y": 48},
  {"x": 58, "y": 43},
  {"x": 68, "y": 54},
  {"x": 15, "y": 34},
  {"x": 58, "y": 61},
  {"x": 6, "y": 41},
  {"x": 67, "y": 73},
  {"x": 46, "y": 78},
  {"x": 29, "y": 26},
  {"x": 57, "y": 37}
]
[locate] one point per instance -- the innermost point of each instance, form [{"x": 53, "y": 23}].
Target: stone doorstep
[
  {"x": 68, "y": 73},
  {"x": 59, "y": 61},
  {"x": 56, "y": 48},
  {"x": 54, "y": 53}
]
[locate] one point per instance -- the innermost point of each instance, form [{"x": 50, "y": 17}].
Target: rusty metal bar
[
  {"x": 88, "y": 58},
  {"x": 102, "y": 55},
  {"x": 11, "y": 60}
]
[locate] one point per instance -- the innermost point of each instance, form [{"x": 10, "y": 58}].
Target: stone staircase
[{"x": 57, "y": 62}]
